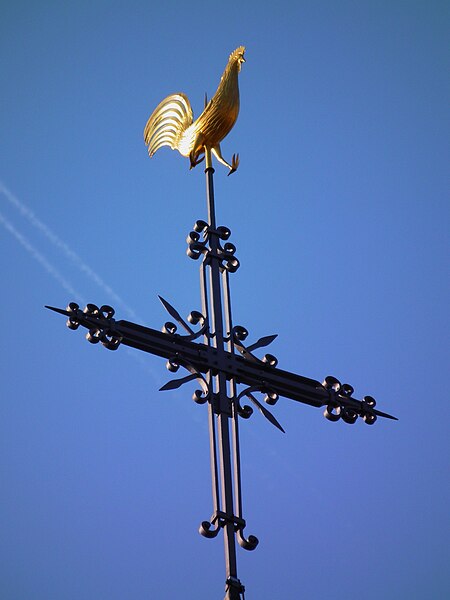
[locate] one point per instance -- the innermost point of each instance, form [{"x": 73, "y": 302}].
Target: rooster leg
[
  {"x": 197, "y": 150},
  {"x": 234, "y": 161},
  {"x": 195, "y": 160}
]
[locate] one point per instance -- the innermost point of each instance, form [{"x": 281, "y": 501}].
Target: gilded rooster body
[{"x": 172, "y": 123}]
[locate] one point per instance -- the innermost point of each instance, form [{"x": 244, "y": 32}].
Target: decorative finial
[{"x": 172, "y": 122}]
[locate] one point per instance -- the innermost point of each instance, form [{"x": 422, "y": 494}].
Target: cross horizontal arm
[{"x": 255, "y": 374}]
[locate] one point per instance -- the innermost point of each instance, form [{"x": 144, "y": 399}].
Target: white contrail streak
[
  {"x": 53, "y": 272},
  {"x": 65, "y": 249},
  {"x": 40, "y": 259},
  {"x": 69, "y": 253}
]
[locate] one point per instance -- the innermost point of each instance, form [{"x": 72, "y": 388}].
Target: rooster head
[{"x": 237, "y": 57}]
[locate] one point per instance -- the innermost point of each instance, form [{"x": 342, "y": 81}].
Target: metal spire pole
[{"x": 221, "y": 407}]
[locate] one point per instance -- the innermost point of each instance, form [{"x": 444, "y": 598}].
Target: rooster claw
[
  {"x": 195, "y": 161},
  {"x": 234, "y": 163}
]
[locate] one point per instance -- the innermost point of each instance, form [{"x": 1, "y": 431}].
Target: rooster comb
[{"x": 237, "y": 53}]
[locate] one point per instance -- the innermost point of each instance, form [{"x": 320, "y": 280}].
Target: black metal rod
[
  {"x": 221, "y": 403},
  {"x": 233, "y": 394},
  {"x": 211, "y": 416}
]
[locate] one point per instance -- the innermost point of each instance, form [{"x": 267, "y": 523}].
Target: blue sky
[{"x": 340, "y": 215}]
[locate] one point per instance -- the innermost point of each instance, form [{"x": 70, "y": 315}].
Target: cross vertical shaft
[{"x": 220, "y": 405}]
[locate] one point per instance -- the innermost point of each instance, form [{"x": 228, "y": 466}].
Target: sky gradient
[{"x": 340, "y": 214}]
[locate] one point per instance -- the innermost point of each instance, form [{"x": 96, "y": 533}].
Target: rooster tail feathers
[{"x": 168, "y": 122}]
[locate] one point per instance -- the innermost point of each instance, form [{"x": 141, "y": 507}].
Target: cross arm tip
[{"x": 61, "y": 311}]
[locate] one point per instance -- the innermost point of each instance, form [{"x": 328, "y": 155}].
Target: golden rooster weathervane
[{"x": 172, "y": 122}]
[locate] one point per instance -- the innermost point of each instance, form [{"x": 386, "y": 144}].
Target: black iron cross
[{"x": 220, "y": 364}]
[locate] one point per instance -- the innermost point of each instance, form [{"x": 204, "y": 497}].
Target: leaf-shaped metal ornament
[
  {"x": 269, "y": 416},
  {"x": 264, "y": 341},
  {"x": 175, "y": 315},
  {"x": 176, "y": 383}
]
